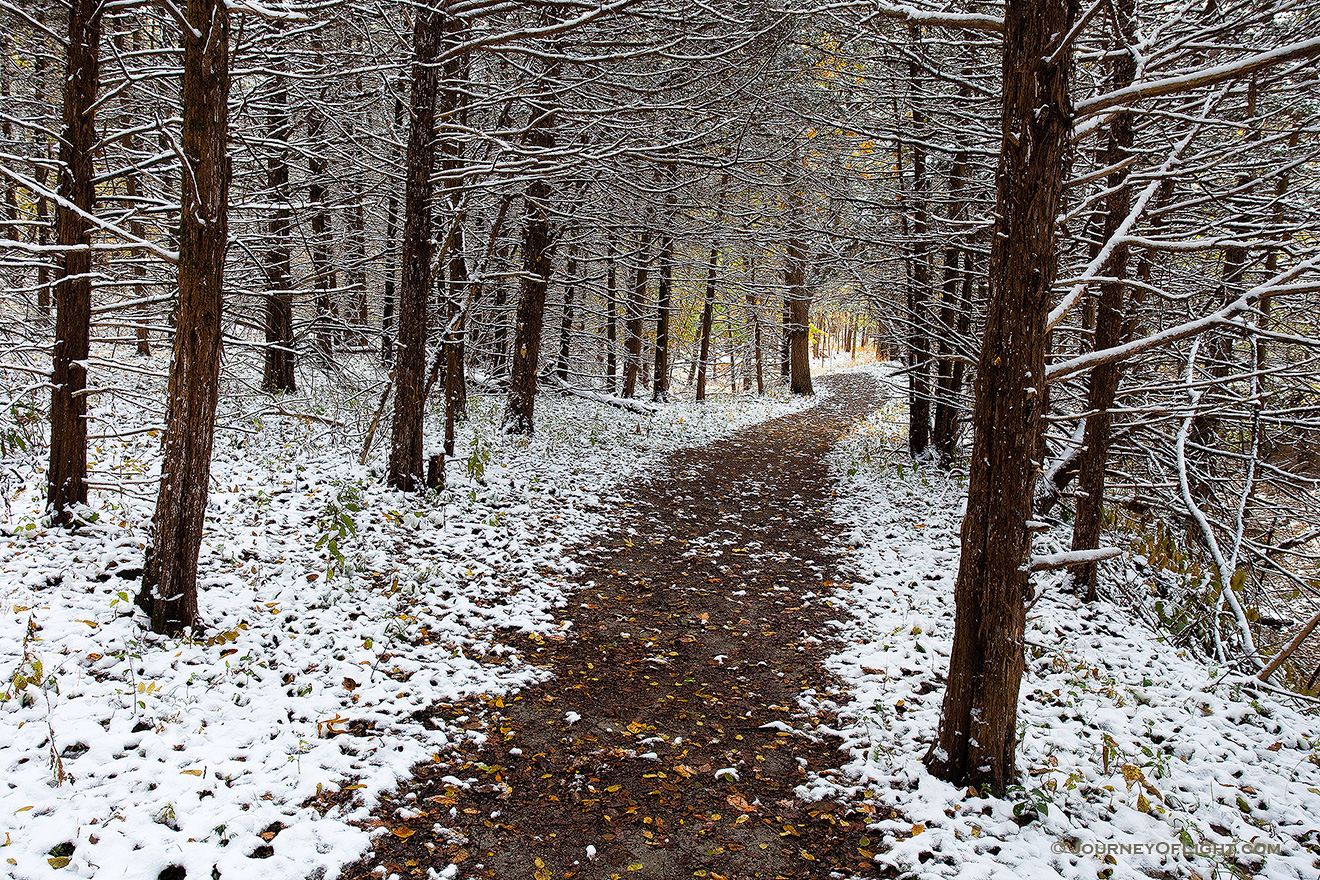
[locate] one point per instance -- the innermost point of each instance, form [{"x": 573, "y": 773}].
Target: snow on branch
[
  {"x": 1274, "y": 287},
  {"x": 966, "y": 21},
  {"x": 627, "y": 403},
  {"x": 1243, "y": 67},
  {"x": 258, "y": 9},
  {"x": 1050, "y": 561}
]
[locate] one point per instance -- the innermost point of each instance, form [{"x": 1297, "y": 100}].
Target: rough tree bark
[
  {"x": 799, "y": 319},
  {"x": 407, "y": 469},
  {"x": 169, "y": 580},
  {"x": 977, "y": 736},
  {"x": 664, "y": 304},
  {"x": 67, "y": 477}
]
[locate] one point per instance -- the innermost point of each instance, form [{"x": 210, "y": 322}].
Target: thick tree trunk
[
  {"x": 799, "y": 316},
  {"x": 632, "y": 328},
  {"x": 977, "y": 736},
  {"x": 67, "y": 477},
  {"x": 1109, "y": 315},
  {"x": 280, "y": 356},
  {"x": 707, "y": 318},
  {"x": 407, "y": 466},
  {"x": 169, "y": 580},
  {"x": 538, "y": 248}
]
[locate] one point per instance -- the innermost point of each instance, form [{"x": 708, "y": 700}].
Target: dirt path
[{"x": 670, "y": 737}]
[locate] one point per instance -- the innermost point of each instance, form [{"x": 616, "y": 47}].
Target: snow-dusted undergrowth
[
  {"x": 335, "y": 608},
  {"x": 1137, "y": 759}
]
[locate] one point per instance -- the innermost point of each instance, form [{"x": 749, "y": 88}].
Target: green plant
[
  {"x": 337, "y": 525},
  {"x": 478, "y": 459}
]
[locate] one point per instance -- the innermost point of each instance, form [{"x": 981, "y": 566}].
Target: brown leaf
[{"x": 403, "y": 832}]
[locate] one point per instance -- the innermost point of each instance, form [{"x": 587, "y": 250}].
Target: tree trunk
[
  {"x": 945, "y": 437},
  {"x": 919, "y": 349},
  {"x": 664, "y": 303},
  {"x": 67, "y": 477},
  {"x": 280, "y": 356},
  {"x": 632, "y": 328},
  {"x": 407, "y": 468},
  {"x": 756, "y": 327},
  {"x": 538, "y": 247},
  {"x": 40, "y": 174},
  {"x": 319, "y": 247},
  {"x": 611, "y": 318},
  {"x": 169, "y": 581},
  {"x": 799, "y": 314},
  {"x": 707, "y": 318},
  {"x": 977, "y": 736},
  {"x": 566, "y": 318},
  {"x": 391, "y": 229},
  {"x": 1109, "y": 315}
]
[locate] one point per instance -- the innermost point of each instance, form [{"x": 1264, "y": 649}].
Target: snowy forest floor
[
  {"x": 672, "y": 734},
  {"x": 708, "y": 643}
]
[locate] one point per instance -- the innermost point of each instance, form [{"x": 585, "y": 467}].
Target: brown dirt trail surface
[{"x": 671, "y": 732}]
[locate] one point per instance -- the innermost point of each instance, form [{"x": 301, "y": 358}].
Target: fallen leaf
[
  {"x": 191, "y": 772},
  {"x": 403, "y": 832},
  {"x": 738, "y": 802},
  {"x": 58, "y": 861}
]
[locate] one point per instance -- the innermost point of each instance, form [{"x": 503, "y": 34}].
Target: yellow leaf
[
  {"x": 684, "y": 770},
  {"x": 543, "y": 874},
  {"x": 635, "y": 866},
  {"x": 403, "y": 832},
  {"x": 917, "y": 829},
  {"x": 613, "y": 787},
  {"x": 58, "y": 861},
  {"x": 24, "y": 809},
  {"x": 191, "y": 772},
  {"x": 540, "y": 862}
]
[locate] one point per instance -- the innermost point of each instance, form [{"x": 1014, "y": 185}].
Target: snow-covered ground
[
  {"x": 1137, "y": 759},
  {"x": 335, "y": 609}
]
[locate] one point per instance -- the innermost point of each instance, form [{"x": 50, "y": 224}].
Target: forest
[{"x": 659, "y": 438}]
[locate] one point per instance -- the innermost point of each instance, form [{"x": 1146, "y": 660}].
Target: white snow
[
  {"x": 1129, "y": 748},
  {"x": 336, "y": 609}
]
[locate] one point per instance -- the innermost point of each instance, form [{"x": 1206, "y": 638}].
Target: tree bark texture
[
  {"x": 799, "y": 319},
  {"x": 170, "y": 575},
  {"x": 407, "y": 467},
  {"x": 67, "y": 477},
  {"x": 977, "y": 736}
]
